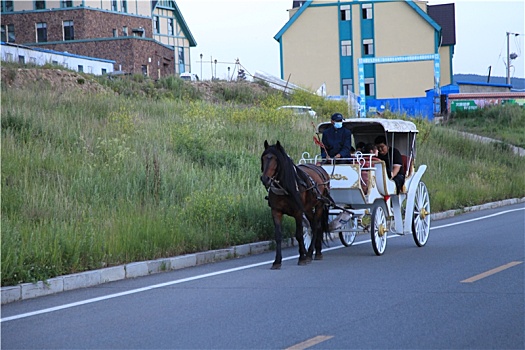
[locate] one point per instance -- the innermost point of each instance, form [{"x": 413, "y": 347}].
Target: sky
[{"x": 226, "y": 30}]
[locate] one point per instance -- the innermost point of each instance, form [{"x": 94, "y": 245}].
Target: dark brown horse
[{"x": 296, "y": 190}]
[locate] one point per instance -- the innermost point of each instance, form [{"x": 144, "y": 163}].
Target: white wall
[{"x": 92, "y": 66}]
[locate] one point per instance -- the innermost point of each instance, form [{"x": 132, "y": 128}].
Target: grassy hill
[{"x": 99, "y": 172}]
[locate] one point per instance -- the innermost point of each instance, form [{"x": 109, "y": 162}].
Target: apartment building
[
  {"x": 144, "y": 37},
  {"x": 407, "y": 47}
]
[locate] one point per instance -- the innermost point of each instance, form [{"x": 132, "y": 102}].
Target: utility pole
[
  {"x": 201, "y": 68},
  {"x": 509, "y": 56}
]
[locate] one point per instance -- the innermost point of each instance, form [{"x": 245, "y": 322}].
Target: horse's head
[{"x": 270, "y": 163}]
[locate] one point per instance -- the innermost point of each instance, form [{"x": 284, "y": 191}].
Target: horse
[{"x": 296, "y": 191}]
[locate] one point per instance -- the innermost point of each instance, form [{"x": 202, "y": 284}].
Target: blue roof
[{"x": 483, "y": 84}]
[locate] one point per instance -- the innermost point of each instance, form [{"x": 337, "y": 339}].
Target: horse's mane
[{"x": 287, "y": 173}]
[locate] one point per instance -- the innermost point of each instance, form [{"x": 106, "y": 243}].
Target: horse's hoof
[
  {"x": 276, "y": 267},
  {"x": 318, "y": 257},
  {"x": 304, "y": 261}
]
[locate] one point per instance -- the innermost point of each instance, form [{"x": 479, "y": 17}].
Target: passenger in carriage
[
  {"x": 370, "y": 148},
  {"x": 393, "y": 160},
  {"x": 337, "y": 140},
  {"x": 359, "y": 147}
]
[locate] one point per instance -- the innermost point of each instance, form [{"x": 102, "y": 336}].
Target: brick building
[{"x": 145, "y": 37}]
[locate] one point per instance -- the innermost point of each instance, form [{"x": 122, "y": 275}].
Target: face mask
[{"x": 338, "y": 125}]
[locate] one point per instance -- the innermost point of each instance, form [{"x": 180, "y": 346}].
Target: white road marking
[
  {"x": 206, "y": 275},
  {"x": 310, "y": 342},
  {"x": 491, "y": 272}
]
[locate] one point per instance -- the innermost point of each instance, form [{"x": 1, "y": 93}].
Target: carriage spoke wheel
[
  {"x": 421, "y": 218},
  {"x": 378, "y": 229},
  {"x": 347, "y": 237}
]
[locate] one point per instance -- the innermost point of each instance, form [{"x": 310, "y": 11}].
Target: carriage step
[{"x": 341, "y": 220}]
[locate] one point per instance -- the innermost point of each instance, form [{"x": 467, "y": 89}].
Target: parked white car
[
  {"x": 189, "y": 77},
  {"x": 300, "y": 110}
]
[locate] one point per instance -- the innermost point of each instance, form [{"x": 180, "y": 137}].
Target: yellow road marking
[
  {"x": 491, "y": 272},
  {"x": 310, "y": 342}
]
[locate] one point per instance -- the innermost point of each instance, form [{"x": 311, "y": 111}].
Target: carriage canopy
[
  {"x": 400, "y": 134},
  {"x": 374, "y": 125}
]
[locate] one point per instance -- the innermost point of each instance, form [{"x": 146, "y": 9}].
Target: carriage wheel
[
  {"x": 347, "y": 237},
  {"x": 421, "y": 218},
  {"x": 378, "y": 229}
]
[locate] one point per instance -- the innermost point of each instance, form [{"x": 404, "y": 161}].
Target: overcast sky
[{"x": 229, "y": 29}]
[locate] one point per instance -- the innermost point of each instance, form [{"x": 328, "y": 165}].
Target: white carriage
[{"x": 365, "y": 198}]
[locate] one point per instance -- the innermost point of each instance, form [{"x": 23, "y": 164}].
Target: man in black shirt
[{"x": 393, "y": 160}]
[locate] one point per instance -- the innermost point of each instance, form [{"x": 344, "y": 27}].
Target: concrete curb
[{"x": 137, "y": 269}]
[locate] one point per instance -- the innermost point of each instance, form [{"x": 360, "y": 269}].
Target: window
[
  {"x": 181, "y": 55},
  {"x": 21, "y": 59},
  {"x": 347, "y": 86},
  {"x": 366, "y": 11},
  {"x": 8, "y": 33},
  {"x": 7, "y": 6},
  {"x": 66, "y": 3},
  {"x": 138, "y": 32},
  {"x": 368, "y": 46},
  {"x": 145, "y": 70},
  {"x": 124, "y": 6},
  {"x": 41, "y": 32},
  {"x": 9, "y": 57},
  {"x": 156, "y": 25},
  {"x": 115, "y": 33},
  {"x": 114, "y": 5},
  {"x": 69, "y": 32},
  {"x": 55, "y": 63},
  {"x": 3, "y": 37},
  {"x": 80, "y": 68},
  {"x": 125, "y": 31},
  {"x": 370, "y": 87},
  {"x": 104, "y": 71},
  {"x": 170, "y": 27},
  {"x": 345, "y": 12},
  {"x": 40, "y": 5},
  {"x": 346, "y": 47}
]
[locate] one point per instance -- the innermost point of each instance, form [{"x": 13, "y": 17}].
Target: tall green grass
[
  {"x": 505, "y": 123},
  {"x": 90, "y": 181}
]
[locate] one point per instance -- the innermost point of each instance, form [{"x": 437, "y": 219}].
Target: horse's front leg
[
  {"x": 303, "y": 259},
  {"x": 277, "y": 221}
]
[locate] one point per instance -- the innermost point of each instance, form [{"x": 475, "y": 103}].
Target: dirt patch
[{"x": 56, "y": 79}]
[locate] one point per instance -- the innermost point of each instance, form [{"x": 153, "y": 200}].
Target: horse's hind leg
[
  {"x": 303, "y": 259},
  {"x": 319, "y": 232}
]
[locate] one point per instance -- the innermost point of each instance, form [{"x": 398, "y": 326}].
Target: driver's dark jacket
[{"x": 337, "y": 141}]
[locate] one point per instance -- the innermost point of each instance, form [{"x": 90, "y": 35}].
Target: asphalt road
[{"x": 463, "y": 290}]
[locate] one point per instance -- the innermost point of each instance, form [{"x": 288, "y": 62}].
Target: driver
[{"x": 337, "y": 140}]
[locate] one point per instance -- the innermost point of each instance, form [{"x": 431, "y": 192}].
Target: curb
[{"x": 137, "y": 269}]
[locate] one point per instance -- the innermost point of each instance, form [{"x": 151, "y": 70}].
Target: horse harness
[{"x": 303, "y": 179}]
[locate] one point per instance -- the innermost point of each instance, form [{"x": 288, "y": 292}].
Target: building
[
  {"x": 378, "y": 49},
  {"x": 39, "y": 56},
  {"x": 145, "y": 37}
]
